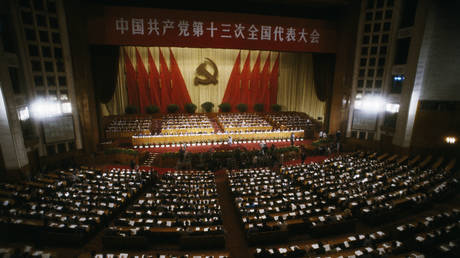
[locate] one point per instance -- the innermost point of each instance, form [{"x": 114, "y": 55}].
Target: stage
[{"x": 193, "y": 148}]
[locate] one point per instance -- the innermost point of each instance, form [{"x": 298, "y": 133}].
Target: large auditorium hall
[{"x": 256, "y": 128}]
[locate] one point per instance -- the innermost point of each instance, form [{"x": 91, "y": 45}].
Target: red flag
[
  {"x": 254, "y": 88},
  {"x": 274, "y": 81},
  {"x": 165, "y": 83},
  {"x": 178, "y": 87},
  {"x": 264, "y": 85},
  {"x": 245, "y": 76},
  {"x": 154, "y": 80},
  {"x": 133, "y": 95},
  {"x": 232, "y": 92},
  {"x": 142, "y": 84}
]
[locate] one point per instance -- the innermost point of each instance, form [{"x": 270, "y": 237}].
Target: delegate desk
[
  {"x": 125, "y": 134},
  {"x": 176, "y": 131},
  {"x": 246, "y": 128},
  {"x": 167, "y": 139}
]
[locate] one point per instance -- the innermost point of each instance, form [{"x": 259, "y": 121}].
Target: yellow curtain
[
  {"x": 296, "y": 90},
  {"x": 295, "y": 85}
]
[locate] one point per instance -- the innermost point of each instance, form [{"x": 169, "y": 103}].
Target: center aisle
[{"x": 235, "y": 240}]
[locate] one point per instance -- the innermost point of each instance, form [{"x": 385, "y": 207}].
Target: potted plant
[
  {"x": 190, "y": 108},
  {"x": 130, "y": 110},
  {"x": 172, "y": 108},
  {"x": 225, "y": 107},
  {"x": 207, "y": 106},
  {"x": 276, "y": 108},
  {"x": 259, "y": 107},
  {"x": 152, "y": 109},
  {"x": 242, "y": 107}
]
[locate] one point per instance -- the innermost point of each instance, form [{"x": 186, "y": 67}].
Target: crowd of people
[
  {"x": 73, "y": 202},
  {"x": 24, "y": 251},
  {"x": 329, "y": 196},
  {"x": 125, "y": 127},
  {"x": 186, "y": 123},
  {"x": 160, "y": 255},
  {"x": 239, "y": 157},
  {"x": 234, "y": 122},
  {"x": 371, "y": 187},
  {"x": 433, "y": 236},
  {"x": 290, "y": 120},
  {"x": 268, "y": 202},
  {"x": 180, "y": 202}
]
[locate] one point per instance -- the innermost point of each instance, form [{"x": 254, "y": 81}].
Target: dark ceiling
[{"x": 313, "y": 9}]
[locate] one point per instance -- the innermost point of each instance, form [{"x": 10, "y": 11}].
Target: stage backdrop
[{"x": 295, "y": 84}]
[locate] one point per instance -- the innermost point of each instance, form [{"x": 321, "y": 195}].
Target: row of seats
[
  {"x": 161, "y": 255},
  {"x": 330, "y": 196},
  {"x": 268, "y": 202},
  {"x": 24, "y": 251},
  {"x": 184, "y": 123},
  {"x": 180, "y": 124},
  {"x": 124, "y": 125},
  {"x": 74, "y": 210},
  {"x": 434, "y": 236},
  {"x": 369, "y": 187},
  {"x": 290, "y": 120},
  {"x": 181, "y": 204},
  {"x": 242, "y": 121}
]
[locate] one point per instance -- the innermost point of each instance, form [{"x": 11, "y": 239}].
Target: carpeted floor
[{"x": 235, "y": 240}]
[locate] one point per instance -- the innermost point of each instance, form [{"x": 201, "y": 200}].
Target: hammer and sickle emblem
[{"x": 205, "y": 77}]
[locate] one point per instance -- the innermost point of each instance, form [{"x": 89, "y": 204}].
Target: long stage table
[
  {"x": 124, "y": 134},
  {"x": 142, "y": 140},
  {"x": 187, "y": 130},
  {"x": 246, "y": 128}
]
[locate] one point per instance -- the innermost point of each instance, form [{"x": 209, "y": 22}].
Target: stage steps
[
  {"x": 150, "y": 159},
  {"x": 216, "y": 126}
]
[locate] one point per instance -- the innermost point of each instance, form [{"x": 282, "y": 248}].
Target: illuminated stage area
[{"x": 210, "y": 129}]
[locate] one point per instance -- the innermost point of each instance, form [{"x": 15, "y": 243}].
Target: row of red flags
[
  {"x": 252, "y": 87},
  {"x": 155, "y": 88},
  {"x": 167, "y": 86}
]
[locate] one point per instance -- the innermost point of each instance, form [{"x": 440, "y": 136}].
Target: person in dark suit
[
  {"x": 338, "y": 137},
  {"x": 181, "y": 153},
  {"x": 303, "y": 153},
  {"x": 292, "y": 139}
]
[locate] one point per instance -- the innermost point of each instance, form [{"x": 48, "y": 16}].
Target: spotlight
[
  {"x": 450, "y": 140},
  {"x": 371, "y": 104},
  {"x": 66, "y": 108},
  {"x": 392, "y": 108},
  {"x": 398, "y": 78},
  {"x": 45, "y": 108},
  {"x": 24, "y": 113}
]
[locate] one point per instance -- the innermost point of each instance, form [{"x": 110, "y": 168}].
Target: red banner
[{"x": 160, "y": 27}]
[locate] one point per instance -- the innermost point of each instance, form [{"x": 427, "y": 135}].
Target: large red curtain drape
[
  {"x": 142, "y": 84},
  {"x": 133, "y": 95},
  {"x": 264, "y": 96},
  {"x": 165, "y": 84},
  {"x": 178, "y": 87},
  {"x": 252, "y": 86},
  {"x": 244, "y": 81},
  {"x": 160, "y": 88},
  {"x": 154, "y": 81},
  {"x": 232, "y": 92}
]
